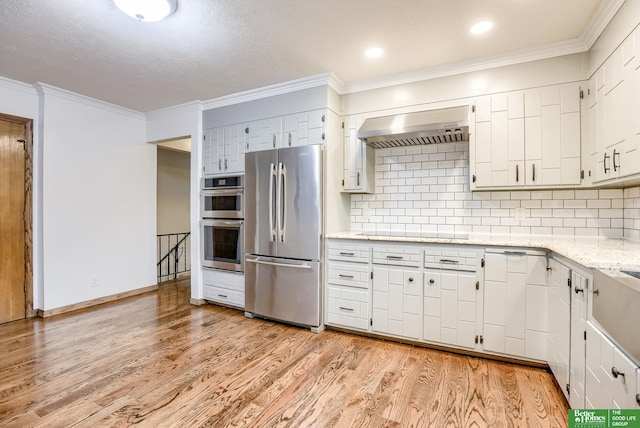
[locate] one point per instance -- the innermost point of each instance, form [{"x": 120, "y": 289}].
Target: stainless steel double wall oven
[{"x": 222, "y": 224}]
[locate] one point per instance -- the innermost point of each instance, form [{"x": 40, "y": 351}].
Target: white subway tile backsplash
[{"x": 426, "y": 188}]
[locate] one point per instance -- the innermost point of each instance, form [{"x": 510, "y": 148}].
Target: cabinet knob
[
  {"x": 246, "y": 130},
  {"x": 615, "y": 372},
  {"x": 578, "y": 290},
  {"x": 638, "y": 399},
  {"x": 410, "y": 279},
  {"x": 432, "y": 281}
]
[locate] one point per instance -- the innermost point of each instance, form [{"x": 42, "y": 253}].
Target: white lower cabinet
[
  {"x": 348, "y": 307},
  {"x": 396, "y": 302},
  {"x": 515, "y": 303},
  {"x": 450, "y": 308},
  {"x": 611, "y": 377},
  {"x": 348, "y": 285},
  {"x": 223, "y": 287}
]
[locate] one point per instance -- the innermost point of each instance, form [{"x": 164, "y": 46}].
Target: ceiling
[{"x": 212, "y": 48}]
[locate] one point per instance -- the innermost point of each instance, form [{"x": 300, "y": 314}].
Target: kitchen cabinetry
[
  {"x": 515, "y": 303},
  {"x": 611, "y": 377},
  {"x": 613, "y": 91},
  {"x": 223, "y": 287},
  {"x": 358, "y": 159},
  {"x": 397, "y": 293},
  {"x": 348, "y": 285},
  {"x": 559, "y": 324},
  {"x": 567, "y": 318},
  {"x": 223, "y": 150},
  {"x": 451, "y": 297},
  {"x": 298, "y": 129},
  {"x": 527, "y": 138}
]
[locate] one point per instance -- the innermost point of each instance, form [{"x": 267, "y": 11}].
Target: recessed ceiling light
[
  {"x": 373, "y": 52},
  {"x": 147, "y": 10},
  {"x": 481, "y": 27}
]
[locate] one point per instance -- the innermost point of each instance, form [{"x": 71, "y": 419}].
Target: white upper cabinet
[
  {"x": 297, "y": 129},
  {"x": 358, "y": 159},
  {"x": 223, "y": 150},
  {"x": 613, "y": 122},
  {"x": 527, "y": 138}
]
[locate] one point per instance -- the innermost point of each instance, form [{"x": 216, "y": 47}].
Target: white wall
[
  {"x": 173, "y": 191},
  {"x": 99, "y": 199},
  {"x": 175, "y": 122}
]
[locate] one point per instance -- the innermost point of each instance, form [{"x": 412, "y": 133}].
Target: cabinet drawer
[
  {"x": 222, "y": 279},
  {"x": 224, "y": 295},
  {"x": 348, "y": 307},
  {"x": 397, "y": 256},
  {"x": 452, "y": 259},
  {"x": 348, "y": 252},
  {"x": 351, "y": 274}
]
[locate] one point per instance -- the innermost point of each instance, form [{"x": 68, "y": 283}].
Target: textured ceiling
[{"x": 211, "y": 48}]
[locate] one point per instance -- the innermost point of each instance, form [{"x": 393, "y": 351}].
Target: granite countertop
[{"x": 590, "y": 252}]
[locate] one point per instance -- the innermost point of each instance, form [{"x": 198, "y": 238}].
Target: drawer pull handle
[
  {"x": 578, "y": 290},
  {"x": 615, "y": 372},
  {"x": 449, "y": 261},
  {"x": 346, "y": 254},
  {"x": 346, "y": 309},
  {"x": 346, "y": 276},
  {"x": 223, "y": 296},
  {"x": 394, "y": 257}
]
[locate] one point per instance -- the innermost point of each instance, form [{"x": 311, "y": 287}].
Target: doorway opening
[
  {"x": 16, "y": 218},
  {"x": 173, "y": 209}
]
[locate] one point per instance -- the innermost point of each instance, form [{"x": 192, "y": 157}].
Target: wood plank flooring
[{"x": 156, "y": 361}]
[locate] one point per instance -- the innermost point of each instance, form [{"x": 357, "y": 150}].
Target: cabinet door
[
  {"x": 624, "y": 381},
  {"x": 252, "y": 138},
  {"x": 579, "y": 293},
  {"x": 316, "y": 124},
  {"x": 450, "y": 308},
  {"x": 599, "y": 360},
  {"x": 213, "y": 151},
  {"x": 559, "y": 317},
  {"x": 234, "y": 149},
  {"x": 515, "y": 304},
  {"x": 358, "y": 159},
  {"x": 270, "y": 133},
  {"x": 499, "y": 140},
  {"x": 290, "y": 137},
  {"x": 397, "y": 302}
]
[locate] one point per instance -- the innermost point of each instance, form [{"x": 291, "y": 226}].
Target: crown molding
[
  {"x": 189, "y": 107},
  {"x": 314, "y": 81},
  {"x": 17, "y": 86},
  {"x": 461, "y": 67},
  {"x": 44, "y": 89},
  {"x": 601, "y": 18}
]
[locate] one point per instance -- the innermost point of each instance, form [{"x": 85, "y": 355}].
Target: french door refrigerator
[{"x": 283, "y": 234}]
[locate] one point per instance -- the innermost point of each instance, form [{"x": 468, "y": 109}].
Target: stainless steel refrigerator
[{"x": 283, "y": 234}]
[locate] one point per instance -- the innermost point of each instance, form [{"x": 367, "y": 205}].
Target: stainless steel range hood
[{"x": 411, "y": 129}]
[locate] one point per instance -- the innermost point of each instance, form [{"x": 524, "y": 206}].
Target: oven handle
[
  {"x": 214, "y": 192},
  {"x": 262, "y": 262},
  {"x": 227, "y": 222}
]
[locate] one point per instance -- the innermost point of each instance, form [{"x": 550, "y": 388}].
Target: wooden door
[{"x": 12, "y": 221}]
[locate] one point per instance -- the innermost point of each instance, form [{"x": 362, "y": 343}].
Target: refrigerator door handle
[
  {"x": 272, "y": 225},
  {"x": 283, "y": 200},
  {"x": 263, "y": 262}
]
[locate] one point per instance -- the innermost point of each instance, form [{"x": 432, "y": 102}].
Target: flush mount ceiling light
[
  {"x": 481, "y": 27},
  {"x": 147, "y": 10},
  {"x": 373, "y": 52}
]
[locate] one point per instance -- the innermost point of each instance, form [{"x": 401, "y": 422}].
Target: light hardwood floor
[{"x": 155, "y": 360}]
